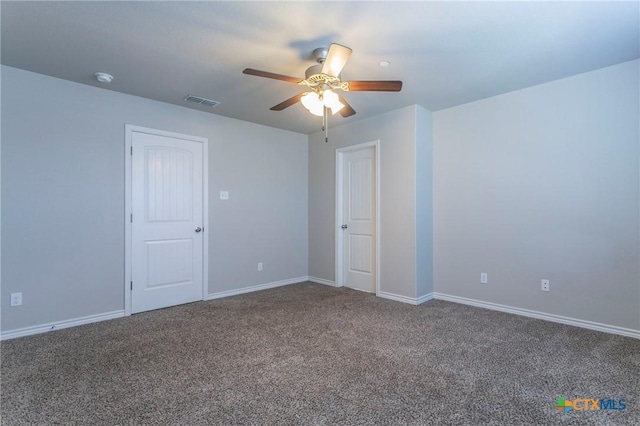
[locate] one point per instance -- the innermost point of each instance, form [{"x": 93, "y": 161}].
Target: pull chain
[{"x": 325, "y": 124}]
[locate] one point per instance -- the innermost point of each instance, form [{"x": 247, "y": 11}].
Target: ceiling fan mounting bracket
[{"x": 320, "y": 54}]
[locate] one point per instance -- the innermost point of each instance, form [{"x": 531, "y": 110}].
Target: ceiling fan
[{"x": 323, "y": 80}]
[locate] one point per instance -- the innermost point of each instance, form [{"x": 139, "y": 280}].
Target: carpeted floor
[{"x": 312, "y": 354}]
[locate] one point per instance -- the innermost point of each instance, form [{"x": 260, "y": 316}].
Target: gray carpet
[{"x": 312, "y": 354}]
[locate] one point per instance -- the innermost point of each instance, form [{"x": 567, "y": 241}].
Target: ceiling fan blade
[
  {"x": 286, "y": 104},
  {"x": 336, "y": 59},
  {"x": 267, "y": 74},
  {"x": 375, "y": 86},
  {"x": 347, "y": 110}
]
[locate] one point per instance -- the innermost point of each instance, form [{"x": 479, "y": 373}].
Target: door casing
[
  {"x": 339, "y": 235},
  {"x": 128, "y": 252}
]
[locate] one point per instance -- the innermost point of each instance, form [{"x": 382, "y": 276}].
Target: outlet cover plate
[
  {"x": 544, "y": 285},
  {"x": 16, "y": 299}
]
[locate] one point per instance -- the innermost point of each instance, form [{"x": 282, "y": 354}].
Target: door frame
[
  {"x": 129, "y": 129},
  {"x": 339, "y": 235}
]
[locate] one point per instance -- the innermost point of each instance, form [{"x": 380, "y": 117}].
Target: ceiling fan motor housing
[{"x": 312, "y": 70}]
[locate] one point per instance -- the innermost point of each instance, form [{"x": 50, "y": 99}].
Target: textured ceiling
[{"x": 447, "y": 53}]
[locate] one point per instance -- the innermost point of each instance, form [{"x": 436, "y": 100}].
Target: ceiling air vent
[{"x": 201, "y": 101}]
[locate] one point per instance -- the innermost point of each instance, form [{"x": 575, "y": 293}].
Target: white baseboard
[
  {"x": 253, "y": 288},
  {"x": 58, "y": 325},
  {"x": 321, "y": 281},
  {"x": 405, "y": 299},
  {"x": 429, "y": 296},
  {"x": 541, "y": 315}
]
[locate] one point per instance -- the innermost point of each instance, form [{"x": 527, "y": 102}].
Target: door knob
[
  {"x": 198, "y": 229},
  {"x": 344, "y": 226}
]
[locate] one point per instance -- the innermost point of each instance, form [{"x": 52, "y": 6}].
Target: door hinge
[
  {"x": 131, "y": 150},
  {"x": 131, "y": 218},
  {"x": 131, "y": 285}
]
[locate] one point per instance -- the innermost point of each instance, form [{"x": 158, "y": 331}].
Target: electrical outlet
[
  {"x": 483, "y": 278},
  {"x": 259, "y": 266},
  {"x": 544, "y": 285},
  {"x": 224, "y": 195},
  {"x": 16, "y": 299}
]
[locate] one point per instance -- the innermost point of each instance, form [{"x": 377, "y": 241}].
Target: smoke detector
[{"x": 103, "y": 77}]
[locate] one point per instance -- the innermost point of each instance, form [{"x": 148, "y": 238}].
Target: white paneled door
[
  {"x": 358, "y": 219},
  {"x": 167, "y": 221}
]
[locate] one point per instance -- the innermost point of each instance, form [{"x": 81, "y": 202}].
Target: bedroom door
[
  {"x": 167, "y": 226},
  {"x": 358, "y": 218}
]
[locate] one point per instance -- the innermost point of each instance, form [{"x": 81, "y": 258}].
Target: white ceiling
[{"x": 447, "y": 53}]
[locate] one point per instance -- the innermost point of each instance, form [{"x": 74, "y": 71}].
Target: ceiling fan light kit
[
  {"x": 323, "y": 80},
  {"x": 316, "y": 102}
]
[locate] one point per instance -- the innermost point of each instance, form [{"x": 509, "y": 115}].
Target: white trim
[
  {"x": 58, "y": 325},
  {"x": 405, "y": 299},
  {"x": 205, "y": 217},
  {"x": 541, "y": 315},
  {"x": 253, "y": 288},
  {"x": 321, "y": 281},
  {"x": 128, "y": 132},
  {"x": 339, "y": 282},
  {"x": 339, "y": 279},
  {"x": 429, "y": 296}
]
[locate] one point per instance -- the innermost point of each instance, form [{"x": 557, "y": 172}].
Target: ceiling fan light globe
[
  {"x": 319, "y": 111},
  {"x": 329, "y": 97},
  {"x": 310, "y": 100},
  {"x": 332, "y": 100}
]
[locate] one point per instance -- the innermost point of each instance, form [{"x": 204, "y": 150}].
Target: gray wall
[
  {"x": 544, "y": 183},
  {"x": 396, "y": 131},
  {"x": 539, "y": 183},
  {"x": 424, "y": 202},
  {"x": 63, "y": 197}
]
